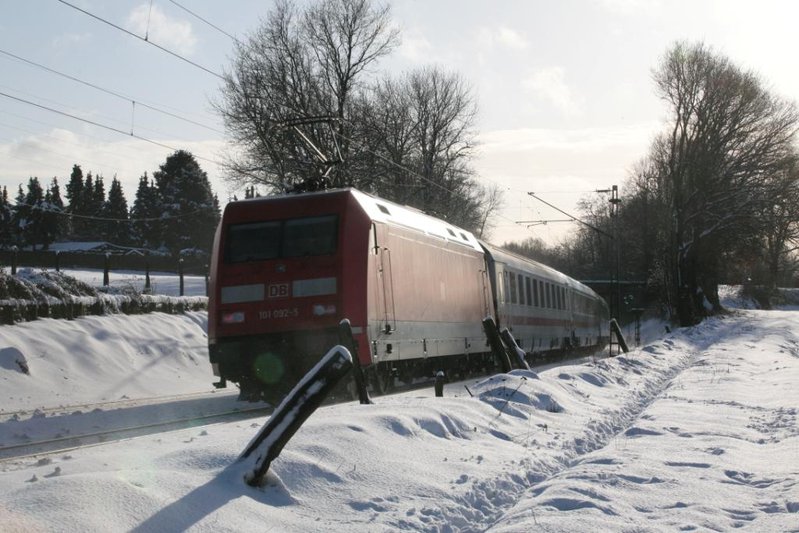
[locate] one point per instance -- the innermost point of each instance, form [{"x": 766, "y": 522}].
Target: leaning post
[
  {"x": 514, "y": 352},
  {"x": 346, "y": 339},
  {"x": 495, "y": 342},
  {"x": 292, "y": 412}
]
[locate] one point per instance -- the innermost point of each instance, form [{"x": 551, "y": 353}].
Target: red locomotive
[{"x": 287, "y": 269}]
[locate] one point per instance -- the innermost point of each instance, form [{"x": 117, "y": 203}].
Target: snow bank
[{"x": 696, "y": 430}]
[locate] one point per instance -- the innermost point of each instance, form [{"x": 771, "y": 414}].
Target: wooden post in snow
[
  {"x": 295, "y": 409},
  {"x": 514, "y": 352},
  {"x": 495, "y": 342},
  {"x": 346, "y": 339}
]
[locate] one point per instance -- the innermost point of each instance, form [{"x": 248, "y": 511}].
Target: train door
[
  {"x": 485, "y": 284},
  {"x": 385, "y": 284},
  {"x": 503, "y": 298}
]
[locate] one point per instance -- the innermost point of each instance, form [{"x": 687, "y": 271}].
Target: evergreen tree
[
  {"x": 187, "y": 204},
  {"x": 116, "y": 230},
  {"x": 6, "y": 219},
  {"x": 74, "y": 197},
  {"x": 29, "y": 213},
  {"x": 83, "y": 227},
  {"x": 20, "y": 218},
  {"x": 52, "y": 218},
  {"x": 98, "y": 195},
  {"x": 145, "y": 209}
]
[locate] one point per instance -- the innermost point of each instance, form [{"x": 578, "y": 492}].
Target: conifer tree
[
  {"x": 20, "y": 218},
  {"x": 187, "y": 204},
  {"x": 117, "y": 228},
  {"x": 74, "y": 197},
  {"x": 145, "y": 209},
  {"x": 6, "y": 218},
  {"x": 51, "y": 213},
  {"x": 29, "y": 213}
]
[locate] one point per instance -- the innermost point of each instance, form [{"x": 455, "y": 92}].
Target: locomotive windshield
[{"x": 276, "y": 239}]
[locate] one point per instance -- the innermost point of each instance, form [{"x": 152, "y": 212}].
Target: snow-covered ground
[
  {"x": 164, "y": 283},
  {"x": 696, "y": 430}
]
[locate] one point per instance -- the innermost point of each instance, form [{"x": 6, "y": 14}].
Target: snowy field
[
  {"x": 164, "y": 283},
  {"x": 695, "y": 431}
]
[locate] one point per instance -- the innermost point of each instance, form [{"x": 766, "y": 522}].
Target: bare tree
[
  {"x": 420, "y": 131},
  {"x": 780, "y": 228},
  {"x": 298, "y": 65},
  {"x": 714, "y": 168},
  {"x": 409, "y": 139}
]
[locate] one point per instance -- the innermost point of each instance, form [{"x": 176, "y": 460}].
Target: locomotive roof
[
  {"x": 392, "y": 213},
  {"x": 525, "y": 263}
]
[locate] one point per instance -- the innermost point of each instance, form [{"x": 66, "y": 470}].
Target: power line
[
  {"x": 217, "y": 28},
  {"x": 574, "y": 218},
  {"x": 120, "y": 28},
  {"x": 107, "y": 91},
  {"x": 406, "y": 169},
  {"x": 104, "y": 126}
]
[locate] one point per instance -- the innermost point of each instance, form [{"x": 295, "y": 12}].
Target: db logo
[{"x": 278, "y": 290}]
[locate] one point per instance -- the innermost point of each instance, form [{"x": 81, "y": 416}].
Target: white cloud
[
  {"x": 174, "y": 34},
  {"x": 415, "y": 47},
  {"x": 549, "y": 84},
  {"x": 502, "y": 36}
]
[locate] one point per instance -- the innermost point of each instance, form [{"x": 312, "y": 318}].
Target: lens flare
[{"x": 268, "y": 368}]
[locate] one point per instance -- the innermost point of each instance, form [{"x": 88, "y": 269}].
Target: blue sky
[{"x": 566, "y": 100}]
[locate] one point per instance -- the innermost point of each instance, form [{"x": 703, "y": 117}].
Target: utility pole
[{"x": 614, "y": 296}]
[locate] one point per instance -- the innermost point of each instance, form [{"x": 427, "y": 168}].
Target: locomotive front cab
[{"x": 282, "y": 268}]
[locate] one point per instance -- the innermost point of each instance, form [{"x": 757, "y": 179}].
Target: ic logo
[{"x": 278, "y": 290}]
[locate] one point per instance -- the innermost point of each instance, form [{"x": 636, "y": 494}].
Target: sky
[
  {"x": 692, "y": 430},
  {"x": 564, "y": 89}
]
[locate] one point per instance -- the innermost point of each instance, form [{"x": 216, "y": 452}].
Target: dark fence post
[
  {"x": 439, "y": 384},
  {"x": 147, "y": 287},
  {"x": 180, "y": 274},
  {"x": 514, "y": 352},
  {"x": 57, "y": 265},
  {"x": 207, "y": 281},
  {"x": 495, "y": 342},
  {"x": 14, "y": 252},
  {"x": 106, "y": 268},
  {"x": 346, "y": 339},
  {"x": 616, "y": 329},
  {"x": 293, "y": 411}
]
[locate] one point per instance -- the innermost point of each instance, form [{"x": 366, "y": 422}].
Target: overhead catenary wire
[
  {"x": 109, "y": 91},
  {"x": 222, "y": 77},
  {"x": 197, "y": 65},
  {"x": 146, "y": 40},
  {"x": 214, "y": 26},
  {"x": 104, "y": 126},
  {"x": 574, "y": 218}
]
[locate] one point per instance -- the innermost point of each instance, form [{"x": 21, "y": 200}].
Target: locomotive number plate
[
  {"x": 287, "y": 312},
  {"x": 277, "y": 290}
]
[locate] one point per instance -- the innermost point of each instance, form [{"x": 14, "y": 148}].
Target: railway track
[
  {"x": 101, "y": 427},
  {"x": 113, "y": 420}
]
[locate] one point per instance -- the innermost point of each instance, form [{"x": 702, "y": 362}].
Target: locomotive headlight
[
  {"x": 322, "y": 310},
  {"x": 236, "y": 317}
]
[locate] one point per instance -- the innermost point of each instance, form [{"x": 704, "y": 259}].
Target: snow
[
  {"x": 164, "y": 283},
  {"x": 695, "y": 430}
]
